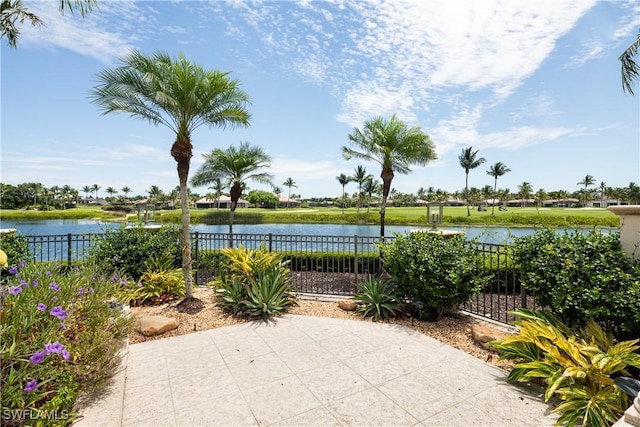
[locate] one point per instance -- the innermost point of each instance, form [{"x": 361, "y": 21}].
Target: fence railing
[{"x": 319, "y": 264}]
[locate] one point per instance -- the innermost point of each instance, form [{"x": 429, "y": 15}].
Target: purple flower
[
  {"x": 37, "y": 357},
  {"x": 41, "y": 307},
  {"x": 22, "y": 264},
  {"x": 63, "y": 326},
  {"x": 13, "y": 271},
  {"x": 23, "y": 284},
  {"x": 90, "y": 290},
  {"x": 31, "y": 385},
  {"x": 48, "y": 274},
  {"x": 15, "y": 290},
  {"x": 54, "y": 286},
  {"x": 114, "y": 278},
  {"x": 65, "y": 354},
  {"x": 58, "y": 312},
  {"x": 115, "y": 257},
  {"x": 139, "y": 284},
  {"x": 54, "y": 347},
  {"x": 80, "y": 291},
  {"x": 34, "y": 283}
]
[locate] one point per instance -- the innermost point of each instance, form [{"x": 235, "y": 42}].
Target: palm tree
[
  {"x": 343, "y": 180},
  {"x": 111, "y": 191},
  {"x": 218, "y": 189},
  {"x": 235, "y": 165},
  {"x": 540, "y": 197},
  {"x": 524, "y": 190},
  {"x": 154, "y": 193},
  {"x": 87, "y": 189},
  {"x": 126, "y": 190},
  {"x": 468, "y": 161},
  {"x": 95, "y": 188},
  {"x": 603, "y": 190},
  {"x": 289, "y": 183},
  {"x": 370, "y": 187},
  {"x": 630, "y": 68},
  {"x": 495, "y": 171},
  {"x": 277, "y": 191},
  {"x": 360, "y": 176},
  {"x": 13, "y": 11},
  {"x": 393, "y": 145},
  {"x": 586, "y": 181},
  {"x": 181, "y": 96}
]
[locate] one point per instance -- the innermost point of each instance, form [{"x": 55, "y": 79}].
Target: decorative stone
[
  {"x": 348, "y": 305},
  {"x": 484, "y": 334},
  {"x": 156, "y": 325}
]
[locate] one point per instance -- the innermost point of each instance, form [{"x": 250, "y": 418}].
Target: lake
[{"x": 81, "y": 226}]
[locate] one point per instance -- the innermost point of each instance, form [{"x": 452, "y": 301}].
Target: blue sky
[{"x": 533, "y": 84}]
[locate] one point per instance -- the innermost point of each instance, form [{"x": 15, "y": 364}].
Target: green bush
[
  {"x": 434, "y": 272},
  {"x": 578, "y": 368},
  {"x": 378, "y": 298},
  {"x": 58, "y": 336},
  {"x": 582, "y": 276},
  {"x": 253, "y": 283},
  {"x": 125, "y": 250}
]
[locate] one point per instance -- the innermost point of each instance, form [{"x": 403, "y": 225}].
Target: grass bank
[{"x": 452, "y": 215}]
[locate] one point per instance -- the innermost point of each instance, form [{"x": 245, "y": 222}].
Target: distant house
[
  {"x": 521, "y": 202},
  {"x": 560, "y": 203},
  {"x": 91, "y": 201},
  {"x": 454, "y": 202},
  {"x": 224, "y": 202},
  {"x": 291, "y": 203}
]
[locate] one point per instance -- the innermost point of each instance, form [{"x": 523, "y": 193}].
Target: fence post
[
  {"x": 196, "y": 255},
  {"x": 355, "y": 257},
  {"x": 69, "y": 248},
  {"x": 523, "y": 291},
  {"x": 270, "y": 241}
]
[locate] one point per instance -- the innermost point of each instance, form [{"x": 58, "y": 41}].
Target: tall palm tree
[
  {"x": 87, "y": 189},
  {"x": 95, "y": 188},
  {"x": 343, "y": 180},
  {"x": 393, "y": 145},
  {"x": 603, "y": 190},
  {"x": 630, "y": 68},
  {"x": 235, "y": 165},
  {"x": 524, "y": 191},
  {"x": 277, "y": 191},
  {"x": 154, "y": 193},
  {"x": 289, "y": 183},
  {"x": 218, "y": 189},
  {"x": 182, "y": 96},
  {"x": 360, "y": 175},
  {"x": 370, "y": 187},
  {"x": 468, "y": 161},
  {"x": 126, "y": 190},
  {"x": 495, "y": 171},
  {"x": 111, "y": 191},
  {"x": 586, "y": 181}
]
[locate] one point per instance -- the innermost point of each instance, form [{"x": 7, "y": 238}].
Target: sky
[{"x": 535, "y": 85}]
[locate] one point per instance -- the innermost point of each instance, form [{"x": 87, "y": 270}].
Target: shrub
[
  {"x": 378, "y": 298},
  {"x": 582, "y": 276},
  {"x": 58, "y": 336},
  {"x": 159, "y": 283},
  {"x": 17, "y": 249},
  {"x": 125, "y": 250},
  {"x": 576, "y": 367},
  {"x": 432, "y": 271},
  {"x": 254, "y": 283}
]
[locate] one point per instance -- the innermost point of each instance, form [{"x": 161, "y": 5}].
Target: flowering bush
[{"x": 58, "y": 337}]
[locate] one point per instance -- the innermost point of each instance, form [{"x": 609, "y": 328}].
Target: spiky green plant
[{"x": 378, "y": 299}]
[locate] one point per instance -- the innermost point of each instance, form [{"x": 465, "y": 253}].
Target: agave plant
[
  {"x": 377, "y": 298},
  {"x": 576, "y": 367},
  {"x": 269, "y": 293}
]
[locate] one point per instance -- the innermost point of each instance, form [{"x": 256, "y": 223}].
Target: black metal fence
[{"x": 319, "y": 264}]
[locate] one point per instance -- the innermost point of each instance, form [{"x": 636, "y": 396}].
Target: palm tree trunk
[
  {"x": 466, "y": 190},
  {"x": 182, "y": 153},
  {"x": 493, "y": 206}
]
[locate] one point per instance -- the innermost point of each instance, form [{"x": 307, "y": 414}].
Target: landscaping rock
[
  {"x": 484, "y": 334},
  {"x": 156, "y": 325},
  {"x": 348, "y": 305}
]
